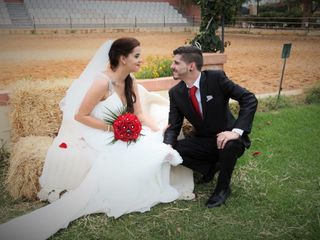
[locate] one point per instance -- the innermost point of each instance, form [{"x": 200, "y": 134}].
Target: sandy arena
[{"x": 252, "y": 61}]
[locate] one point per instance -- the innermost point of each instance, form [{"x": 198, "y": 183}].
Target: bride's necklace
[{"x": 115, "y": 83}]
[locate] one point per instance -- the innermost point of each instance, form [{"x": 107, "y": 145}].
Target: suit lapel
[
  {"x": 184, "y": 91},
  {"x": 203, "y": 94}
]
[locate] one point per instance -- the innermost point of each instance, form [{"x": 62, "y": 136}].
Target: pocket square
[{"x": 209, "y": 98}]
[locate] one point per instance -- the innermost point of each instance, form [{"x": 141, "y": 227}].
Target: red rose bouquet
[{"x": 126, "y": 126}]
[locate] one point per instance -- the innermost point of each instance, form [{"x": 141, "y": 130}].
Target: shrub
[
  {"x": 211, "y": 12},
  {"x": 281, "y": 9},
  {"x": 234, "y": 108},
  {"x": 4, "y": 153},
  {"x": 313, "y": 95},
  {"x": 270, "y": 104},
  {"x": 156, "y": 67},
  {"x": 278, "y": 7}
]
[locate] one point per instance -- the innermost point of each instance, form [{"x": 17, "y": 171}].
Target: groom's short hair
[{"x": 190, "y": 54}]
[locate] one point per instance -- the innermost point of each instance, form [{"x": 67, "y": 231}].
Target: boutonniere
[{"x": 209, "y": 98}]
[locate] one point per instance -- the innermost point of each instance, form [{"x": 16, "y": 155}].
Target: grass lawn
[{"x": 275, "y": 193}]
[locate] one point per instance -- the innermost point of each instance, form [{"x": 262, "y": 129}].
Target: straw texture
[
  {"x": 25, "y": 166},
  {"x": 35, "y": 108}
]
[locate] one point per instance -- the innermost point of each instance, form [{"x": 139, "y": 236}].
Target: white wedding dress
[
  {"x": 122, "y": 179},
  {"x": 99, "y": 177}
]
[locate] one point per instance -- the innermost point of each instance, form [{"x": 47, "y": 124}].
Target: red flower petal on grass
[
  {"x": 63, "y": 145},
  {"x": 256, "y": 154}
]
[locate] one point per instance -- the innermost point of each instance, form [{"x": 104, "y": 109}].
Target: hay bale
[
  {"x": 25, "y": 166},
  {"x": 187, "y": 129},
  {"x": 35, "y": 108}
]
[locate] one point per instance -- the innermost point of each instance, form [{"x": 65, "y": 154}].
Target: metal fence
[
  {"x": 70, "y": 22},
  {"x": 105, "y": 22},
  {"x": 290, "y": 23},
  {"x": 101, "y": 22}
]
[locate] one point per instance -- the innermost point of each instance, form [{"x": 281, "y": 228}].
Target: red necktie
[{"x": 194, "y": 101}]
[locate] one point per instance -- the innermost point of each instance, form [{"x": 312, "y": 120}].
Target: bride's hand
[
  {"x": 165, "y": 129},
  {"x": 109, "y": 128}
]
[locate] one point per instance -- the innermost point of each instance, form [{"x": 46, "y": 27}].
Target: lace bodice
[{"x": 112, "y": 102}]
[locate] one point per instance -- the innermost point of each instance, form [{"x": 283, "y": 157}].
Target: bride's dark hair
[{"x": 123, "y": 47}]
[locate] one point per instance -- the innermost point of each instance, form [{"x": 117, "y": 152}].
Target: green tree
[
  {"x": 212, "y": 13},
  {"x": 308, "y": 6}
]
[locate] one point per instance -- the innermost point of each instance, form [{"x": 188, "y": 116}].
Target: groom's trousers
[{"x": 201, "y": 154}]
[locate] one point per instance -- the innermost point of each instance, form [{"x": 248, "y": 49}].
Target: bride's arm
[
  {"x": 145, "y": 119},
  {"x": 94, "y": 95}
]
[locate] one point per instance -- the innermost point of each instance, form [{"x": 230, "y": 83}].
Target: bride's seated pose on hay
[{"x": 96, "y": 175}]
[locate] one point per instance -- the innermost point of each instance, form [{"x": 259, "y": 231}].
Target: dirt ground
[{"x": 252, "y": 61}]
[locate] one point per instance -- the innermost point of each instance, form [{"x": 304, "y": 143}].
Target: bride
[{"x": 114, "y": 179}]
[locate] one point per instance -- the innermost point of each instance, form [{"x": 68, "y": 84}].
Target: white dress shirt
[{"x": 198, "y": 96}]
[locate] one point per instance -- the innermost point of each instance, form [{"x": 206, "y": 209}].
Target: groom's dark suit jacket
[{"x": 216, "y": 90}]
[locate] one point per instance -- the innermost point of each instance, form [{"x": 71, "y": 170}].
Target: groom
[{"x": 202, "y": 98}]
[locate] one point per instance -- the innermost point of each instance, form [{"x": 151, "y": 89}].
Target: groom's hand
[{"x": 224, "y": 137}]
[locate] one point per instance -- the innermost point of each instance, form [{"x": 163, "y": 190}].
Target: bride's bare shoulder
[{"x": 102, "y": 80}]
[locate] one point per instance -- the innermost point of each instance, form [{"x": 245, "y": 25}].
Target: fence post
[
  {"x": 70, "y": 21},
  {"x": 135, "y": 21},
  {"x": 222, "y": 32},
  {"x": 285, "y": 54},
  {"x": 104, "y": 22},
  {"x": 34, "y": 24},
  {"x": 164, "y": 21},
  {"x": 193, "y": 21}
]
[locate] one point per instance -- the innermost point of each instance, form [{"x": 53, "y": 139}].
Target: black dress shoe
[{"x": 218, "y": 198}]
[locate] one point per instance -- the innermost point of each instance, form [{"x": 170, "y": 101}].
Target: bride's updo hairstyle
[{"x": 123, "y": 47}]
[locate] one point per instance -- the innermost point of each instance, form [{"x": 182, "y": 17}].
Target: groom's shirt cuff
[{"x": 238, "y": 130}]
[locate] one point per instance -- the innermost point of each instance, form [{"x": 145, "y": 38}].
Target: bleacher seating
[
  {"x": 95, "y": 13},
  {"x": 4, "y": 15}
]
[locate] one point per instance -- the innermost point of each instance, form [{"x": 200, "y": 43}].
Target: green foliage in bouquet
[{"x": 111, "y": 116}]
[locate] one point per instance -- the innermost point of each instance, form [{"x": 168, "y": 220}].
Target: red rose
[{"x": 127, "y": 128}]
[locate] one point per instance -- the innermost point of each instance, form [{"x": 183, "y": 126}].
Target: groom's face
[{"x": 179, "y": 68}]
